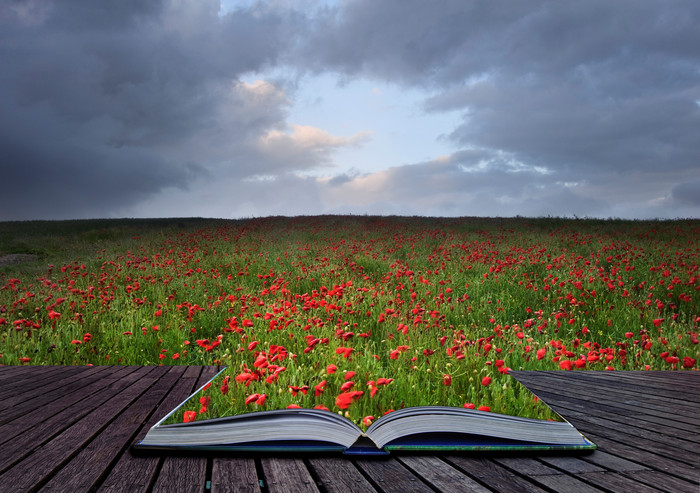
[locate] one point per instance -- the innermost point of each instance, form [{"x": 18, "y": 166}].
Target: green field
[{"x": 434, "y": 304}]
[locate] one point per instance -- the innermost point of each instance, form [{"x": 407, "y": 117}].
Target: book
[{"x": 418, "y": 428}]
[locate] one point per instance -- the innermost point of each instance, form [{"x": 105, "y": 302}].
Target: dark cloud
[
  {"x": 589, "y": 91},
  {"x": 105, "y": 104},
  {"x": 567, "y": 108}
]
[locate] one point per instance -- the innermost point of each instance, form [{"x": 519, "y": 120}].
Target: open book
[{"x": 409, "y": 429}]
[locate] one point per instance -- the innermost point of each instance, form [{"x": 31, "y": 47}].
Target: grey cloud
[
  {"x": 687, "y": 193},
  {"x": 590, "y": 91},
  {"x": 105, "y": 104}
]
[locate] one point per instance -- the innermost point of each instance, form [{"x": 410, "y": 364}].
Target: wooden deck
[{"x": 71, "y": 428}]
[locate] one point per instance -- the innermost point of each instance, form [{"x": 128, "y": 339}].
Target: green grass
[{"x": 587, "y": 294}]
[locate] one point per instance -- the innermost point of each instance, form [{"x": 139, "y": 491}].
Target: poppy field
[{"x": 355, "y": 314}]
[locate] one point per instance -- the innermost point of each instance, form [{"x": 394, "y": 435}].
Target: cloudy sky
[{"x": 447, "y": 108}]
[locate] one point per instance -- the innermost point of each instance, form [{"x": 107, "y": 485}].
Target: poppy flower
[
  {"x": 469, "y": 405},
  {"x": 347, "y": 386},
  {"x": 318, "y": 389},
  {"x": 346, "y": 398},
  {"x": 189, "y": 416},
  {"x": 688, "y": 362},
  {"x": 224, "y": 385},
  {"x": 345, "y": 351},
  {"x": 566, "y": 364},
  {"x": 486, "y": 381},
  {"x": 447, "y": 380},
  {"x": 349, "y": 375},
  {"x": 484, "y": 408},
  {"x": 331, "y": 369}
]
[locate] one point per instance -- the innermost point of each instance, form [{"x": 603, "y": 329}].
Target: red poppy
[
  {"x": 486, "y": 381},
  {"x": 484, "y": 408},
  {"x": 541, "y": 353},
  {"x": 469, "y": 405},
  {"x": 189, "y": 416},
  {"x": 318, "y": 389},
  {"x": 447, "y": 379},
  {"x": 347, "y": 386},
  {"x": 688, "y": 362},
  {"x": 566, "y": 364},
  {"x": 345, "y": 351},
  {"x": 346, "y": 398},
  {"x": 224, "y": 385},
  {"x": 349, "y": 375},
  {"x": 331, "y": 369}
]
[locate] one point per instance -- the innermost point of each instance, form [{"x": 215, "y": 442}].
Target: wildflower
[
  {"x": 318, "y": 389},
  {"x": 224, "y": 385},
  {"x": 189, "y": 416},
  {"x": 447, "y": 380},
  {"x": 346, "y": 398},
  {"x": 486, "y": 381}
]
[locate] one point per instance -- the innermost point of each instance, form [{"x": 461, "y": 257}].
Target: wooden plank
[
  {"x": 23, "y": 422},
  {"x": 640, "y": 397},
  {"x": 597, "y": 415},
  {"x": 21, "y": 379},
  {"x": 391, "y": 476},
  {"x": 441, "y": 475},
  {"x": 338, "y": 475},
  {"x": 234, "y": 475},
  {"x": 566, "y": 484},
  {"x": 32, "y": 387},
  {"x": 10, "y": 373},
  {"x": 47, "y": 459},
  {"x": 186, "y": 473},
  {"x": 678, "y": 449},
  {"x": 86, "y": 468},
  {"x": 182, "y": 474},
  {"x": 650, "y": 457},
  {"x": 547, "y": 465},
  {"x": 664, "y": 482},
  {"x": 616, "y": 482},
  {"x": 39, "y": 431},
  {"x": 136, "y": 472},
  {"x": 493, "y": 475},
  {"x": 285, "y": 474}
]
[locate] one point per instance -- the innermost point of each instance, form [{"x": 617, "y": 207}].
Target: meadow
[{"x": 355, "y": 314}]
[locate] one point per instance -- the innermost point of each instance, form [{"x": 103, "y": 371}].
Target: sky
[{"x": 235, "y": 109}]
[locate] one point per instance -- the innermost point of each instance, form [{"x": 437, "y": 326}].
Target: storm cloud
[{"x": 180, "y": 108}]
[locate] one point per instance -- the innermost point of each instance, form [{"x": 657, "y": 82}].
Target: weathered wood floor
[{"x": 71, "y": 428}]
